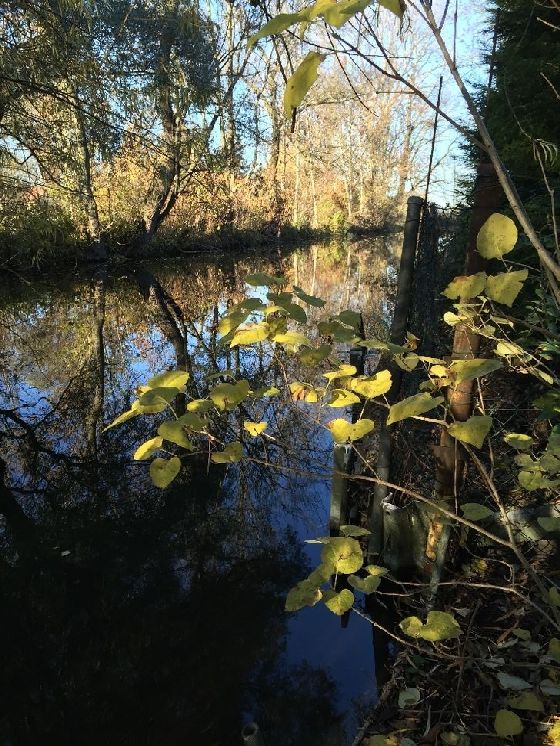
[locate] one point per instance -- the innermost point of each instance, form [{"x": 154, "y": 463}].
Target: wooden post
[{"x": 398, "y": 333}]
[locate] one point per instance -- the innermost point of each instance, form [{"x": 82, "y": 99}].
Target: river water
[{"x": 132, "y": 615}]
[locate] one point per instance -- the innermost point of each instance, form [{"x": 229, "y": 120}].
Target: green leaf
[
  {"x": 535, "y": 480},
  {"x": 173, "y": 431},
  {"x": 413, "y": 406},
  {"x": 475, "y": 511},
  {"x": 313, "y": 355},
  {"x": 554, "y": 649},
  {"x": 497, "y": 236},
  {"x": 276, "y": 25},
  {"x": 228, "y": 395},
  {"x": 505, "y": 287},
  {"x": 260, "y": 279},
  {"x": 343, "y": 431},
  {"x": 365, "y": 585},
  {"x": 343, "y": 554},
  {"x": 376, "y": 570},
  {"x": 231, "y": 454},
  {"x": 171, "y": 378},
  {"x": 303, "y": 594},
  {"x": 199, "y": 405},
  {"x": 339, "y": 13},
  {"x": 513, "y": 682},
  {"x": 473, "y": 431},
  {"x": 255, "y": 428},
  {"x": 301, "y": 81},
  {"x": 549, "y": 524},
  {"x": 509, "y": 349},
  {"x": 408, "y": 698},
  {"x": 372, "y": 386},
  {"x": 343, "y": 398},
  {"x": 146, "y": 449},
  {"x": 526, "y": 701},
  {"x": 163, "y": 471},
  {"x": 339, "y": 603},
  {"x": 439, "y": 626},
  {"x": 311, "y": 300},
  {"x": 519, "y": 441},
  {"x": 395, "y": 6},
  {"x": 134, "y": 411},
  {"x": 349, "y": 530},
  {"x": 463, "y": 370},
  {"x": 231, "y": 322},
  {"x": 466, "y": 286},
  {"x": 507, "y": 723},
  {"x": 251, "y": 334},
  {"x": 158, "y": 397},
  {"x": 343, "y": 371}
]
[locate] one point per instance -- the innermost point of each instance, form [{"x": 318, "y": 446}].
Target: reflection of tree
[{"x": 295, "y": 706}]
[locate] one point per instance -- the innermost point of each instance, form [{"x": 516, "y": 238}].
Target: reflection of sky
[{"x": 137, "y": 350}]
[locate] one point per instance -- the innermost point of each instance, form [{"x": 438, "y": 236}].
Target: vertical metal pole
[{"x": 398, "y": 332}]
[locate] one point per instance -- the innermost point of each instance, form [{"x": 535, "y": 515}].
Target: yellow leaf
[
  {"x": 231, "y": 454},
  {"x": 463, "y": 370},
  {"x": 173, "y": 431},
  {"x": 228, "y": 395},
  {"x": 413, "y": 406},
  {"x": 466, "y": 286},
  {"x": 497, "y": 236},
  {"x": 370, "y": 387},
  {"x": 343, "y": 554},
  {"x": 301, "y": 81},
  {"x": 291, "y": 339},
  {"x": 343, "y": 431},
  {"x": 473, "y": 431},
  {"x": 171, "y": 378},
  {"x": 343, "y": 371},
  {"x": 163, "y": 471},
  {"x": 395, "y": 6},
  {"x": 250, "y": 334},
  {"x": 339, "y": 603},
  {"x": 255, "y": 428},
  {"x": 146, "y": 449},
  {"x": 526, "y": 701},
  {"x": 276, "y": 25},
  {"x": 338, "y": 14},
  {"x": 507, "y": 723},
  {"x": 505, "y": 287},
  {"x": 439, "y": 626}
]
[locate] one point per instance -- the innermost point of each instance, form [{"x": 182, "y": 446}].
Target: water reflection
[{"x": 135, "y": 616}]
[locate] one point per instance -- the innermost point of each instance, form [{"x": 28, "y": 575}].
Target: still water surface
[{"x": 132, "y": 615}]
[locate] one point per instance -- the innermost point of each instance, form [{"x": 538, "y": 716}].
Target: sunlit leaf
[
  {"x": 158, "y": 397},
  {"x": 163, "y": 471},
  {"x": 343, "y": 398},
  {"x": 395, "y": 6},
  {"x": 146, "y": 449},
  {"x": 291, "y": 339},
  {"x": 343, "y": 371},
  {"x": 497, "y": 236},
  {"x": 339, "y": 603},
  {"x": 509, "y": 349},
  {"x": 171, "y": 378},
  {"x": 301, "y": 81},
  {"x": 473, "y": 431},
  {"x": 303, "y": 594},
  {"x": 134, "y": 411},
  {"x": 251, "y": 334},
  {"x": 554, "y": 734},
  {"x": 526, "y": 701},
  {"x": 200, "y": 406},
  {"x": 505, "y": 287},
  {"x": 413, "y": 406},
  {"x": 372, "y": 386},
  {"x": 339, "y": 13},
  {"x": 376, "y": 570},
  {"x": 173, "y": 431},
  {"x": 407, "y": 362},
  {"x": 309, "y": 299},
  {"x": 276, "y": 25},
  {"x": 466, "y": 286},
  {"x": 366, "y": 585},
  {"x": 232, "y": 321},
  {"x": 475, "y": 511},
  {"x": 229, "y": 395},
  {"x": 343, "y": 554},
  {"x": 255, "y": 428},
  {"x": 439, "y": 626},
  {"x": 231, "y": 454},
  {"x": 507, "y": 723},
  {"x": 343, "y": 431},
  {"x": 519, "y": 441},
  {"x": 464, "y": 370}
]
